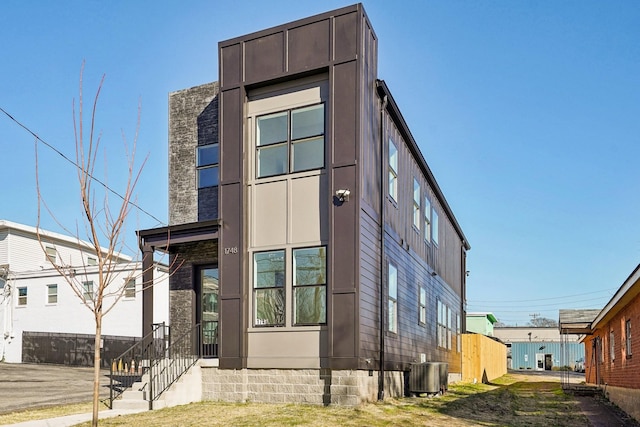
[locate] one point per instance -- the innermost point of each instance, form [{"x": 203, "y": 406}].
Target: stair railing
[
  {"x": 130, "y": 366},
  {"x": 180, "y": 355}
]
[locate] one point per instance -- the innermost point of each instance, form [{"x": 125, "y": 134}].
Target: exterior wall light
[{"x": 343, "y": 195}]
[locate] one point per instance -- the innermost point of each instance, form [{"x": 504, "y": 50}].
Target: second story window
[
  {"x": 427, "y": 220},
  {"x": 434, "y": 226},
  {"x": 130, "y": 288},
  {"x": 290, "y": 141},
  {"x": 393, "y": 171},
  {"x": 416, "y": 204},
  {"x": 207, "y": 161},
  {"x": 51, "y": 254},
  {"x": 87, "y": 290}
]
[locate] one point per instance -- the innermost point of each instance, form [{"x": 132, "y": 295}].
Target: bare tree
[{"x": 103, "y": 228}]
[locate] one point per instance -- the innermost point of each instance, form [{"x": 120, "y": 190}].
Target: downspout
[{"x": 383, "y": 171}]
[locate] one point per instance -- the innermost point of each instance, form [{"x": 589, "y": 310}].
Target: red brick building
[{"x": 610, "y": 348}]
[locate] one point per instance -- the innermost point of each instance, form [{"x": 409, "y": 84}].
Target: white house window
[
  {"x": 87, "y": 290},
  {"x": 434, "y": 227},
  {"x": 207, "y": 160},
  {"x": 310, "y": 285},
  {"x": 627, "y": 327},
  {"x": 393, "y": 299},
  {"x": 92, "y": 261},
  {"x": 130, "y": 288},
  {"x": 612, "y": 346},
  {"x": 427, "y": 220},
  {"x": 290, "y": 141},
  {"x": 51, "y": 254},
  {"x": 22, "y": 296},
  {"x": 268, "y": 285},
  {"x": 422, "y": 306},
  {"x": 416, "y": 203},
  {"x": 393, "y": 171},
  {"x": 52, "y": 294}
]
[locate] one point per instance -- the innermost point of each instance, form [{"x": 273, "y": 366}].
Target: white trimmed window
[
  {"x": 427, "y": 220},
  {"x": 310, "y": 286},
  {"x": 22, "y": 296},
  {"x": 392, "y": 325},
  {"x": 92, "y": 261},
  {"x": 52, "y": 294},
  {"x": 422, "y": 306},
  {"x": 416, "y": 204},
  {"x": 393, "y": 171},
  {"x": 207, "y": 160},
  {"x": 87, "y": 290},
  {"x": 434, "y": 227},
  {"x": 130, "y": 288},
  {"x": 51, "y": 254},
  {"x": 290, "y": 141}
]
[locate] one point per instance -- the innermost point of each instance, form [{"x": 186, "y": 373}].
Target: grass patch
[{"x": 47, "y": 412}]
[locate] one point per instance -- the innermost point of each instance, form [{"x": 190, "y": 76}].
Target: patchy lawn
[{"x": 512, "y": 400}]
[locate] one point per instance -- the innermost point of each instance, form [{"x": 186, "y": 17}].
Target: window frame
[
  {"x": 427, "y": 220},
  {"x": 627, "y": 337},
  {"x": 290, "y": 143},
  {"x": 129, "y": 289},
  {"x": 202, "y": 167},
  {"x": 260, "y": 289},
  {"x": 392, "y": 298},
  {"x": 88, "y": 290},
  {"x": 422, "y": 306},
  {"x": 51, "y": 254},
  {"x": 612, "y": 346},
  {"x": 52, "y": 295},
  {"x": 23, "y": 298},
  {"x": 295, "y": 286},
  {"x": 417, "y": 197},
  {"x": 392, "y": 161},
  {"x": 434, "y": 227},
  {"x": 92, "y": 261}
]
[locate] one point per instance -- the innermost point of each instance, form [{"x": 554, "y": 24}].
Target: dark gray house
[{"x": 309, "y": 239}]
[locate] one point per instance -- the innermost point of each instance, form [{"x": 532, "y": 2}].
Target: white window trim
[
  {"x": 417, "y": 197},
  {"x": 393, "y": 171}
]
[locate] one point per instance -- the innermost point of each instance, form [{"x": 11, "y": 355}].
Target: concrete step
[{"x": 137, "y": 404}]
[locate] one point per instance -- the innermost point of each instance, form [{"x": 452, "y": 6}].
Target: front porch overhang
[{"x": 165, "y": 239}]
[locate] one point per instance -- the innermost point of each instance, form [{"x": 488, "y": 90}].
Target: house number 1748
[{"x": 231, "y": 250}]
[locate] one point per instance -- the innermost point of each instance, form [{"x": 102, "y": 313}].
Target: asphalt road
[{"x": 25, "y": 386}]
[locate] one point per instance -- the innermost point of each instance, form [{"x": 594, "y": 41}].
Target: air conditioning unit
[{"x": 429, "y": 377}]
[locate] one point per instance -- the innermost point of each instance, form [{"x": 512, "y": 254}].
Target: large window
[
  {"x": 422, "y": 306},
  {"x": 393, "y": 171},
  {"x": 416, "y": 203},
  {"x": 52, "y": 294},
  {"x": 393, "y": 299},
  {"x": 22, "y": 296},
  {"x": 207, "y": 160},
  {"x": 87, "y": 290},
  {"x": 310, "y": 285},
  {"x": 290, "y": 141},
  {"x": 627, "y": 336},
  {"x": 268, "y": 285}
]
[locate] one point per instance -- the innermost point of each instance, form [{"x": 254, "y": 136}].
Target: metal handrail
[
  {"x": 130, "y": 366},
  {"x": 178, "y": 357}
]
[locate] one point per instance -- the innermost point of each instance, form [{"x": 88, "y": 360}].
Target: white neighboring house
[{"x": 34, "y": 297}]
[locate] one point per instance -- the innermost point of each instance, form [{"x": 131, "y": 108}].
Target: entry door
[
  {"x": 209, "y": 311},
  {"x": 539, "y": 361}
]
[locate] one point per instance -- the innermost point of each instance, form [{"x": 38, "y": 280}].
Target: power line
[
  {"x": 61, "y": 154},
  {"x": 543, "y": 299}
]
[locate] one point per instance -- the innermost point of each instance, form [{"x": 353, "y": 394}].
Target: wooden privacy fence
[{"x": 483, "y": 359}]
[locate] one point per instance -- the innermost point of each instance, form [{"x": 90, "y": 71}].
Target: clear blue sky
[{"x": 528, "y": 113}]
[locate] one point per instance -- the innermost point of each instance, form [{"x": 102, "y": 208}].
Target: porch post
[{"x": 147, "y": 289}]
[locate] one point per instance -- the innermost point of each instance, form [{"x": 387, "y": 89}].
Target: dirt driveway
[{"x": 33, "y": 386}]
